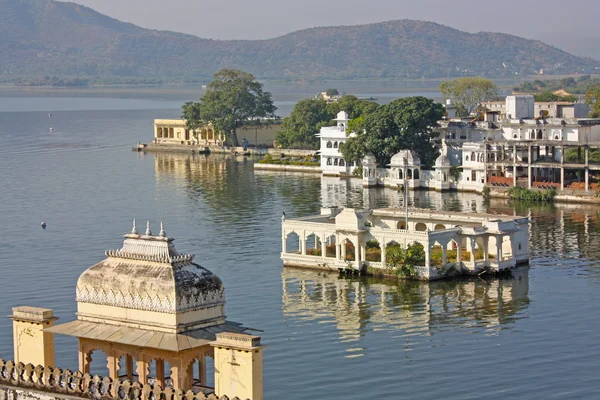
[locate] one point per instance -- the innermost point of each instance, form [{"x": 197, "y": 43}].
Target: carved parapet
[{"x": 56, "y": 380}]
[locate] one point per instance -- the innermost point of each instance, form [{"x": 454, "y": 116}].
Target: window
[
  {"x": 342, "y": 163},
  {"x": 467, "y": 158},
  {"x": 335, "y": 145},
  {"x": 329, "y": 144},
  {"x": 335, "y": 162},
  {"x": 329, "y": 161}
]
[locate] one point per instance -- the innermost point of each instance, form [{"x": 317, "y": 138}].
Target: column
[
  {"x": 562, "y": 167},
  {"x": 283, "y": 242},
  {"x": 343, "y": 250},
  {"x": 427, "y": 256},
  {"x": 363, "y": 252},
  {"x": 129, "y": 367},
  {"x": 323, "y": 246},
  {"x": 485, "y": 164},
  {"x": 587, "y": 168},
  {"x": 357, "y": 255},
  {"x": 459, "y": 252},
  {"x": 529, "y": 169},
  {"x": 112, "y": 365},
  {"x": 160, "y": 372},
  {"x": 514, "y": 165},
  {"x": 472, "y": 249},
  {"x": 142, "y": 370},
  {"x": 443, "y": 256},
  {"x": 189, "y": 375},
  {"x": 499, "y": 248},
  {"x": 303, "y": 244},
  {"x": 486, "y": 246},
  {"x": 84, "y": 360},
  {"x": 338, "y": 250},
  {"x": 202, "y": 370},
  {"x": 383, "y": 254}
]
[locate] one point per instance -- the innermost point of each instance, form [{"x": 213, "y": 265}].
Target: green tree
[
  {"x": 332, "y": 92},
  {"x": 353, "y": 106},
  {"x": 402, "y": 124},
  {"x": 300, "y": 128},
  {"x": 233, "y": 99},
  {"x": 469, "y": 91},
  {"x": 592, "y": 98},
  {"x": 193, "y": 118}
]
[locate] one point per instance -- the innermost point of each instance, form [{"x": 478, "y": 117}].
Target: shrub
[{"x": 542, "y": 196}]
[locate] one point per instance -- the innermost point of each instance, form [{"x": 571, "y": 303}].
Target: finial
[
  {"x": 134, "y": 229},
  {"x": 148, "y": 231},
  {"x": 162, "y": 230}
]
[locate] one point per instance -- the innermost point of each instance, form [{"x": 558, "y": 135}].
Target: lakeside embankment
[{"x": 192, "y": 149}]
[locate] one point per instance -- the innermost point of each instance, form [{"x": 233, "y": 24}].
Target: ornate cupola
[{"x": 148, "y": 284}]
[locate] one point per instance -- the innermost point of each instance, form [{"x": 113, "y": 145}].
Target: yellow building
[
  {"x": 147, "y": 307},
  {"x": 174, "y": 131}
]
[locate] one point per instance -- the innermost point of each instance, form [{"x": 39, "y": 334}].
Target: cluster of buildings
[{"x": 517, "y": 142}]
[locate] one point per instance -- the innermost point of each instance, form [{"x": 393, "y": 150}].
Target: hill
[{"x": 45, "y": 37}]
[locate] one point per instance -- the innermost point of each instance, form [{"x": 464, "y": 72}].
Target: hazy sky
[{"x": 261, "y": 19}]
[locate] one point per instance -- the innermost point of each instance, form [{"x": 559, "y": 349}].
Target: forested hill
[{"x": 44, "y": 37}]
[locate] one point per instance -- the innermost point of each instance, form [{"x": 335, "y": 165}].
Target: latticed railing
[{"x": 56, "y": 380}]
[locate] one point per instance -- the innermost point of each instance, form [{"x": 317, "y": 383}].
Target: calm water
[{"x": 530, "y": 337}]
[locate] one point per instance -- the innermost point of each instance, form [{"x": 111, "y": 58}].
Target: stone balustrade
[{"x": 22, "y": 379}]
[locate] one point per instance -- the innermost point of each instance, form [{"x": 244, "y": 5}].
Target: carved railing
[{"x": 56, "y": 380}]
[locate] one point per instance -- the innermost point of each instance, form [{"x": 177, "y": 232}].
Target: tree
[
  {"x": 233, "y": 99},
  {"x": 353, "y": 106},
  {"x": 469, "y": 91},
  {"x": 300, "y": 128},
  {"x": 592, "y": 98},
  {"x": 402, "y": 124},
  {"x": 193, "y": 119}
]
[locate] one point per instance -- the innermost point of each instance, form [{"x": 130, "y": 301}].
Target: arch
[
  {"x": 555, "y": 137},
  {"x": 420, "y": 227},
  {"x": 335, "y": 145},
  {"x": 210, "y": 134},
  {"x": 203, "y": 134},
  {"x": 329, "y": 162},
  {"x": 515, "y": 136},
  {"x": 400, "y": 174},
  {"x": 330, "y": 243},
  {"x": 416, "y": 174},
  {"x": 292, "y": 243},
  {"x": 373, "y": 250},
  {"x": 313, "y": 245},
  {"x": 467, "y": 158},
  {"x": 335, "y": 162},
  {"x": 401, "y": 225},
  {"x": 171, "y": 133},
  {"x": 348, "y": 250},
  {"x": 539, "y": 134},
  {"x": 329, "y": 145},
  {"x": 97, "y": 363},
  {"x": 159, "y": 132},
  {"x": 479, "y": 248},
  {"x": 409, "y": 174},
  {"x": 439, "y": 227},
  {"x": 473, "y": 156},
  {"x": 342, "y": 163}
]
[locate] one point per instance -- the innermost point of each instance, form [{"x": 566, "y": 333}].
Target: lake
[{"x": 530, "y": 336}]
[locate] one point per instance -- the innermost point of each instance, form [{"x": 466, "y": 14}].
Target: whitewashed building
[{"x": 331, "y": 137}]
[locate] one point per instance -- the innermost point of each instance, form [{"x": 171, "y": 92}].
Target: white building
[{"x": 332, "y": 160}]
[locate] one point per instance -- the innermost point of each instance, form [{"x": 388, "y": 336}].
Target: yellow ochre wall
[{"x": 31, "y": 344}]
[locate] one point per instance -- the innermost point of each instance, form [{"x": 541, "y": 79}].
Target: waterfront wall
[
  {"x": 189, "y": 149},
  {"x": 27, "y": 382},
  {"x": 287, "y": 168}
]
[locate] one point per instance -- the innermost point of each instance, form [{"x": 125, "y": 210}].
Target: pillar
[
  {"x": 529, "y": 169},
  {"x": 485, "y": 164},
  {"x": 160, "y": 372},
  {"x": 338, "y": 250},
  {"x": 179, "y": 374},
  {"x": 459, "y": 253},
  {"x": 303, "y": 244},
  {"x": 112, "y": 365},
  {"x": 562, "y": 167},
  {"x": 283, "y": 242},
  {"x": 357, "y": 255},
  {"x": 428, "y": 256},
  {"x": 129, "y": 366},
  {"x": 383, "y": 253},
  {"x": 443, "y": 255},
  {"x": 499, "y": 248},
  {"x": 486, "y": 247},
  {"x": 189, "y": 375},
  {"x": 31, "y": 343},
  {"x": 238, "y": 366},
  {"x": 472, "y": 249},
  {"x": 323, "y": 246},
  {"x": 343, "y": 250},
  {"x": 142, "y": 370},
  {"x": 514, "y": 165},
  {"x": 587, "y": 168},
  {"x": 202, "y": 370},
  {"x": 84, "y": 360}
]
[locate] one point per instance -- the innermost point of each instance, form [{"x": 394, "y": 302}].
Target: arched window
[
  {"x": 467, "y": 158},
  {"x": 329, "y": 144},
  {"x": 335, "y": 162},
  {"x": 416, "y": 175},
  {"x": 335, "y": 145},
  {"x": 473, "y": 156},
  {"x": 159, "y": 132},
  {"x": 400, "y": 174},
  {"x": 342, "y": 163},
  {"x": 409, "y": 174},
  {"x": 329, "y": 161}
]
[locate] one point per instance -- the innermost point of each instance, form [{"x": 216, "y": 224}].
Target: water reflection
[{"x": 358, "y": 306}]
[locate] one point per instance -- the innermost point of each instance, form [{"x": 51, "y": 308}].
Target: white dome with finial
[{"x": 405, "y": 158}]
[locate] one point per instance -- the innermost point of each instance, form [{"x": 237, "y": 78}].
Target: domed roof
[
  {"x": 369, "y": 159},
  {"x": 165, "y": 288},
  {"x": 342, "y": 116},
  {"x": 442, "y": 162},
  {"x": 405, "y": 157}
]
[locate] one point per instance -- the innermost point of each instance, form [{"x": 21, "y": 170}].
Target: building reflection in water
[{"x": 360, "y": 305}]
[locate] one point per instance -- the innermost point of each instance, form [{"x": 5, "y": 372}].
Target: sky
[{"x": 263, "y": 19}]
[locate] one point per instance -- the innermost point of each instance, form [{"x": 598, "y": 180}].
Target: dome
[
  {"x": 405, "y": 157},
  {"x": 369, "y": 159},
  {"x": 148, "y": 284},
  {"x": 442, "y": 162},
  {"x": 342, "y": 116}
]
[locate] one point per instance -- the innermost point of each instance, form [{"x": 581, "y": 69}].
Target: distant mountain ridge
[{"x": 45, "y": 37}]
